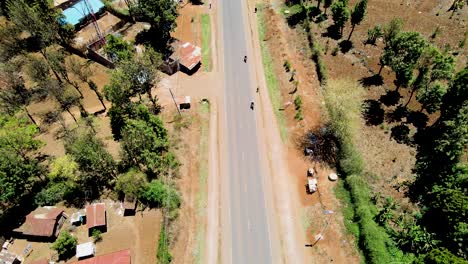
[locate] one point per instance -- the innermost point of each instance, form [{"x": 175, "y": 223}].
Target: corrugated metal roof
[
  {"x": 188, "y": 54},
  {"x": 96, "y": 215},
  {"x": 118, "y": 257},
  {"x": 41, "y": 222}
]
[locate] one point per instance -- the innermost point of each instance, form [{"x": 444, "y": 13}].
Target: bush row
[
  {"x": 316, "y": 55},
  {"x": 343, "y": 101}
]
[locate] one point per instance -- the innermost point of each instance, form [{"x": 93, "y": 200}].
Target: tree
[
  {"x": 19, "y": 166},
  {"x": 392, "y": 29},
  {"x": 64, "y": 168},
  {"x": 357, "y": 15},
  {"x": 373, "y": 34},
  {"x": 14, "y": 95},
  {"x": 10, "y": 40},
  {"x": 65, "y": 245},
  {"x": 161, "y": 14},
  {"x": 340, "y": 13},
  {"x": 431, "y": 97},
  {"x": 158, "y": 194},
  {"x": 141, "y": 73},
  {"x": 440, "y": 256},
  {"x": 131, "y": 184},
  {"x": 402, "y": 55},
  {"x": 96, "y": 164},
  {"x": 117, "y": 49}
]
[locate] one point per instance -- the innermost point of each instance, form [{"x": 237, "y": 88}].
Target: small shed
[
  {"x": 96, "y": 217},
  {"x": 188, "y": 56},
  {"x": 77, "y": 218},
  {"x": 44, "y": 223},
  {"x": 129, "y": 205},
  {"x": 8, "y": 258},
  {"x": 85, "y": 250},
  {"x": 183, "y": 102},
  {"x": 118, "y": 257}
]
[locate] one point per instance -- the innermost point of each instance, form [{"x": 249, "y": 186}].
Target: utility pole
[{"x": 173, "y": 99}]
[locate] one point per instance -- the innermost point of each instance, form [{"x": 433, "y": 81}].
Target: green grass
[
  {"x": 270, "y": 76},
  {"x": 203, "y": 175},
  {"x": 206, "y": 41}
]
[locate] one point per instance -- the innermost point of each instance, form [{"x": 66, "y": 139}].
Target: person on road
[
  {"x": 245, "y": 58},
  {"x": 252, "y": 105}
]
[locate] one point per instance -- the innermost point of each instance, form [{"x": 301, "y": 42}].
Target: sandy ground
[
  {"x": 138, "y": 233},
  {"x": 88, "y": 34}
]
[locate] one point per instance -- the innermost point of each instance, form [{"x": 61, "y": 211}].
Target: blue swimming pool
[{"x": 78, "y": 11}]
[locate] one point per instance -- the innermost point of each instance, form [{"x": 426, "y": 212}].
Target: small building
[
  {"x": 129, "y": 206},
  {"x": 44, "y": 223},
  {"x": 85, "y": 250},
  {"x": 187, "y": 55},
  {"x": 183, "y": 102},
  {"x": 77, "y": 218},
  {"x": 96, "y": 217},
  {"x": 118, "y": 257},
  {"x": 8, "y": 258}
]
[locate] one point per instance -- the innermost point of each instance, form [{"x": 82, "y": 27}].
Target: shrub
[
  {"x": 157, "y": 194},
  {"x": 65, "y": 245},
  {"x": 298, "y": 116},
  {"x": 97, "y": 235},
  {"x": 56, "y": 192},
  {"x": 298, "y": 102},
  {"x": 440, "y": 256},
  {"x": 163, "y": 255},
  {"x": 373, "y": 34},
  {"x": 287, "y": 66}
]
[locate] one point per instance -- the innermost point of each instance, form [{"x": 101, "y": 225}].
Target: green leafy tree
[
  {"x": 131, "y": 183},
  {"x": 19, "y": 167},
  {"x": 431, "y": 96},
  {"x": 402, "y": 55},
  {"x": 65, "y": 245},
  {"x": 117, "y": 49},
  {"x": 160, "y": 14},
  {"x": 141, "y": 74},
  {"x": 96, "y": 164},
  {"x": 340, "y": 14},
  {"x": 158, "y": 194},
  {"x": 440, "y": 256},
  {"x": 64, "y": 168},
  {"x": 392, "y": 29},
  {"x": 357, "y": 16}
]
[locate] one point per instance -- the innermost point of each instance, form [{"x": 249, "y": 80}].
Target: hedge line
[
  {"x": 316, "y": 55},
  {"x": 343, "y": 100}
]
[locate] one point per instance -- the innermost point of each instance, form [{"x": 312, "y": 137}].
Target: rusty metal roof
[
  {"x": 188, "y": 55},
  {"x": 118, "y": 257},
  {"x": 96, "y": 215},
  {"x": 41, "y": 222}
]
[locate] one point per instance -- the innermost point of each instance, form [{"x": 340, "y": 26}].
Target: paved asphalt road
[{"x": 249, "y": 225}]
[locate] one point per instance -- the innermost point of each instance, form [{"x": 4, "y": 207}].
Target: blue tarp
[{"x": 78, "y": 11}]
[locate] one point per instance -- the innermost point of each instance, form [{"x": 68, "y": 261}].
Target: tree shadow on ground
[
  {"x": 320, "y": 144},
  {"x": 345, "y": 45},
  {"x": 374, "y": 80},
  {"x": 332, "y": 32},
  {"x": 418, "y": 119},
  {"x": 400, "y": 134},
  {"x": 373, "y": 112},
  {"x": 397, "y": 115},
  {"x": 161, "y": 45},
  {"x": 390, "y": 98}
]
